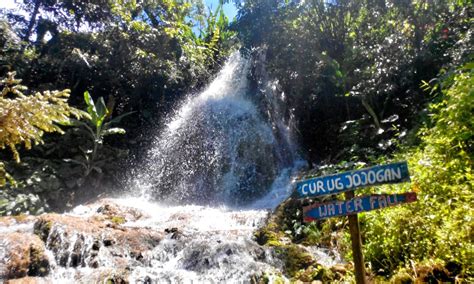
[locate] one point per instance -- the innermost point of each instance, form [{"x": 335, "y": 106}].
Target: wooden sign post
[
  {"x": 347, "y": 182},
  {"x": 356, "y": 242}
]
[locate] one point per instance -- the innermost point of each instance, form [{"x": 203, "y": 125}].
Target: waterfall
[
  {"x": 223, "y": 160},
  {"x": 221, "y": 146}
]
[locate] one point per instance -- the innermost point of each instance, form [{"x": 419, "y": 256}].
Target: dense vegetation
[
  {"x": 141, "y": 57},
  {"x": 352, "y": 70},
  {"x": 370, "y": 82},
  {"x": 365, "y": 82},
  {"x": 430, "y": 240}
]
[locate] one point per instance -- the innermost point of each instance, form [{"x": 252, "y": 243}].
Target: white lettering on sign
[
  {"x": 339, "y": 205},
  {"x": 303, "y": 189},
  {"x": 326, "y": 185},
  {"x": 371, "y": 176},
  {"x": 396, "y": 174},
  {"x": 372, "y": 200},
  {"x": 320, "y": 186},
  {"x": 364, "y": 180},
  {"x": 358, "y": 204},
  {"x": 321, "y": 212}
]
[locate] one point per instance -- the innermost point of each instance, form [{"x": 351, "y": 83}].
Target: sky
[
  {"x": 7, "y": 4},
  {"x": 229, "y": 9}
]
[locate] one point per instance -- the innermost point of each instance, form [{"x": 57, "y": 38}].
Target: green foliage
[
  {"x": 355, "y": 66},
  {"x": 20, "y": 203},
  {"x": 431, "y": 239},
  {"x": 24, "y": 119},
  {"x": 440, "y": 224},
  {"x": 146, "y": 55},
  {"x": 97, "y": 129},
  {"x": 143, "y": 56}
]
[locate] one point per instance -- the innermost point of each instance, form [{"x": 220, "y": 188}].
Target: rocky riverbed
[{"x": 134, "y": 241}]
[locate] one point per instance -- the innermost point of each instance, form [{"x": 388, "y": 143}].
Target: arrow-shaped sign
[
  {"x": 355, "y": 205},
  {"x": 346, "y": 181}
]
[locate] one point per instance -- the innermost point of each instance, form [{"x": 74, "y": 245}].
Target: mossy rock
[
  {"x": 402, "y": 277},
  {"x": 266, "y": 236},
  {"x": 42, "y": 228},
  {"x": 274, "y": 230},
  {"x": 314, "y": 273},
  {"x": 297, "y": 258},
  {"x": 118, "y": 220},
  {"x": 268, "y": 278},
  {"x": 39, "y": 263},
  {"x": 26, "y": 256}
]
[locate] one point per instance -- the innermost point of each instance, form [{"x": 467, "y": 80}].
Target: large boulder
[{"x": 22, "y": 254}]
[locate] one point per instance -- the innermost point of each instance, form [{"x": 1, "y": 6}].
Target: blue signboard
[
  {"x": 355, "y": 205},
  {"x": 347, "y": 181}
]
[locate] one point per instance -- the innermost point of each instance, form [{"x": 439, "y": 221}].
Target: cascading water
[
  {"x": 217, "y": 147},
  {"x": 221, "y": 163}
]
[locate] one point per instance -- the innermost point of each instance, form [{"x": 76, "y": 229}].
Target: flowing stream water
[{"x": 222, "y": 162}]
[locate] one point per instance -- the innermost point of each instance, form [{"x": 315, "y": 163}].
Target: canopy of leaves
[
  {"x": 359, "y": 62},
  {"x": 140, "y": 56},
  {"x": 145, "y": 54}
]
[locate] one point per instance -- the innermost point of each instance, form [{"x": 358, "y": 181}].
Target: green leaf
[
  {"x": 115, "y": 130},
  {"x": 118, "y": 119},
  {"x": 90, "y": 103},
  {"x": 102, "y": 111},
  {"x": 91, "y": 109}
]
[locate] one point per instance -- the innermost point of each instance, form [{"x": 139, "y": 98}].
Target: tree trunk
[
  {"x": 31, "y": 25},
  {"x": 372, "y": 113}
]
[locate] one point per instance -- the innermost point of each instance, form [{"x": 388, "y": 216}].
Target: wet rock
[
  {"x": 260, "y": 254},
  {"x": 175, "y": 233},
  {"x": 147, "y": 280},
  {"x": 137, "y": 255},
  {"x": 339, "y": 269},
  {"x": 28, "y": 280},
  {"x": 171, "y": 230},
  {"x": 118, "y": 214},
  {"x": 21, "y": 255},
  {"x": 42, "y": 229},
  {"x": 95, "y": 245},
  {"x": 108, "y": 242},
  {"x": 94, "y": 264},
  {"x": 78, "y": 241},
  {"x": 104, "y": 275},
  {"x": 94, "y": 249}
]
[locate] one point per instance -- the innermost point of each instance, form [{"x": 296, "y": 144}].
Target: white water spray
[
  {"x": 217, "y": 148},
  {"x": 217, "y": 168}
]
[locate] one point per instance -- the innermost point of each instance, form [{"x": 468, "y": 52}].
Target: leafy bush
[
  {"x": 440, "y": 224},
  {"x": 431, "y": 239},
  {"x": 24, "y": 119}
]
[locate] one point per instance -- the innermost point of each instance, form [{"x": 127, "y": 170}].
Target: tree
[
  {"x": 24, "y": 119},
  {"x": 355, "y": 61}
]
